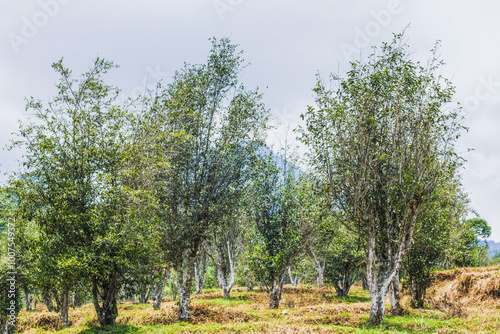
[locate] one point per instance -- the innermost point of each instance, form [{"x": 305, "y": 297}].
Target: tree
[
  {"x": 471, "y": 251},
  {"x": 277, "y": 236},
  {"x": 480, "y": 227},
  {"x": 226, "y": 240},
  {"x": 345, "y": 260},
  {"x": 75, "y": 187},
  {"x": 316, "y": 219},
  {"x": 216, "y": 126},
  {"x": 440, "y": 218},
  {"x": 381, "y": 139}
]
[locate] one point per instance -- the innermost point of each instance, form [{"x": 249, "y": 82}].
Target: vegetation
[
  {"x": 155, "y": 212},
  {"x": 382, "y": 142}
]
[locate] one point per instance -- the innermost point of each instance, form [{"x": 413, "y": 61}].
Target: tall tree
[
  {"x": 381, "y": 139},
  {"x": 226, "y": 241},
  {"x": 74, "y": 186},
  {"x": 217, "y": 125},
  {"x": 277, "y": 238}
]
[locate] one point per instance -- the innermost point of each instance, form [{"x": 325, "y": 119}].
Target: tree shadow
[
  {"x": 350, "y": 299},
  {"x": 116, "y": 329}
]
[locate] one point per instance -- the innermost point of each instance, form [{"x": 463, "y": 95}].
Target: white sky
[{"x": 287, "y": 43}]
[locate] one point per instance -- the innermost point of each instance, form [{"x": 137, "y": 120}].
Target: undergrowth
[{"x": 302, "y": 310}]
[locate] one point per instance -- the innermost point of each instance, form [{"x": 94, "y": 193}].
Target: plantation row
[{"x": 177, "y": 190}]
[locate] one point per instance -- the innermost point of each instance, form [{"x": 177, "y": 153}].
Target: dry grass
[
  {"x": 463, "y": 301},
  {"x": 458, "y": 292}
]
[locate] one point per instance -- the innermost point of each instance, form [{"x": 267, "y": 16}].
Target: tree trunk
[
  {"x": 200, "y": 273},
  {"x": 343, "y": 285},
  {"x": 395, "y": 296},
  {"x": 377, "y": 291},
  {"x": 417, "y": 293},
  {"x": 249, "y": 282},
  {"x": 379, "y": 286},
  {"x": 364, "y": 282},
  {"x": 28, "y": 296},
  {"x": 226, "y": 281},
  {"x": 145, "y": 291},
  {"x": 108, "y": 311},
  {"x": 226, "y": 274},
  {"x": 158, "y": 290},
  {"x": 73, "y": 299},
  {"x": 293, "y": 279},
  {"x": 64, "y": 308},
  {"x": 275, "y": 295},
  {"x": 377, "y": 305},
  {"x": 320, "y": 267},
  {"x": 47, "y": 299},
  {"x": 184, "y": 282}
]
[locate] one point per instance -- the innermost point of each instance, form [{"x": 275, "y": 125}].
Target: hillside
[{"x": 493, "y": 247}]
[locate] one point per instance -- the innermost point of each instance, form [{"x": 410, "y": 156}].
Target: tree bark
[
  {"x": 417, "y": 293},
  {"x": 108, "y": 311},
  {"x": 184, "y": 282},
  {"x": 320, "y": 267},
  {"x": 364, "y": 282},
  {"x": 159, "y": 289},
  {"x": 226, "y": 281},
  {"x": 395, "y": 297},
  {"x": 379, "y": 286},
  {"x": 64, "y": 308},
  {"x": 225, "y": 274},
  {"x": 249, "y": 282},
  {"x": 293, "y": 279},
  {"x": 144, "y": 293},
  {"x": 275, "y": 295},
  {"x": 47, "y": 299},
  {"x": 377, "y": 291},
  {"x": 28, "y": 296},
  {"x": 200, "y": 273}
]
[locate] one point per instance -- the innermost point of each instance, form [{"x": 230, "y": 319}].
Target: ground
[{"x": 460, "y": 301}]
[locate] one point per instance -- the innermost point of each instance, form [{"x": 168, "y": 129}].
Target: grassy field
[{"x": 302, "y": 310}]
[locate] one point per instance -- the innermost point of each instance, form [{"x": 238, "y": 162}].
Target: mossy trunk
[
  {"x": 395, "y": 297},
  {"x": 275, "y": 295},
  {"x": 417, "y": 290},
  {"x": 184, "y": 282}
]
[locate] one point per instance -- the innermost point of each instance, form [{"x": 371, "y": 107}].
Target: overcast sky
[{"x": 287, "y": 42}]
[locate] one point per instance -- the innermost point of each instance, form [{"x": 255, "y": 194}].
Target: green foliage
[
  {"x": 470, "y": 250},
  {"x": 433, "y": 245},
  {"x": 345, "y": 261},
  {"x": 74, "y": 186},
  {"x": 381, "y": 139},
  {"x": 277, "y": 237},
  {"x": 208, "y": 128},
  {"x": 480, "y": 227}
]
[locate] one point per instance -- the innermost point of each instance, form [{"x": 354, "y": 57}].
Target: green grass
[{"x": 224, "y": 302}]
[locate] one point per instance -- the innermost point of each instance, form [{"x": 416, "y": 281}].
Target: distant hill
[{"x": 494, "y": 247}]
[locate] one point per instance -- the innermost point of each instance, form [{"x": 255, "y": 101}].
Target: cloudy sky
[{"x": 287, "y": 42}]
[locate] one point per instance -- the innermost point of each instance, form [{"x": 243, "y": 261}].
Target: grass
[{"x": 302, "y": 310}]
